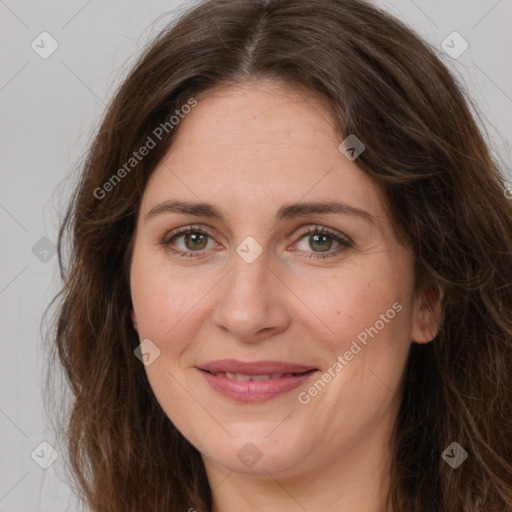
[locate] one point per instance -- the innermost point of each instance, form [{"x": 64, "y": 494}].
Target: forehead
[
  {"x": 257, "y": 118},
  {"x": 256, "y": 146}
]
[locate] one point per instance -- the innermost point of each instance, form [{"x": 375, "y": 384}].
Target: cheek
[
  {"x": 162, "y": 299},
  {"x": 364, "y": 333},
  {"x": 348, "y": 303},
  {"x": 371, "y": 321},
  {"x": 165, "y": 304}
]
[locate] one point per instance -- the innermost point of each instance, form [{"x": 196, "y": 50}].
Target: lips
[
  {"x": 234, "y": 366},
  {"x": 245, "y": 377},
  {"x": 254, "y": 382}
]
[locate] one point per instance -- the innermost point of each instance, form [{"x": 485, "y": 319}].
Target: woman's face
[{"x": 306, "y": 333}]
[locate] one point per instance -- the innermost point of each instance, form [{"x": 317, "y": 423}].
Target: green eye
[
  {"x": 322, "y": 239},
  {"x": 195, "y": 242}
]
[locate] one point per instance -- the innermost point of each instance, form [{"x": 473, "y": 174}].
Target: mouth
[
  {"x": 243, "y": 377},
  {"x": 254, "y": 382}
]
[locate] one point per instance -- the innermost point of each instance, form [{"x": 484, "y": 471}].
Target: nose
[{"x": 251, "y": 304}]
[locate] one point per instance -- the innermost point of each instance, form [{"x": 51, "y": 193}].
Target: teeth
[
  {"x": 258, "y": 377},
  {"x": 244, "y": 377},
  {"x": 237, "y": 376}
]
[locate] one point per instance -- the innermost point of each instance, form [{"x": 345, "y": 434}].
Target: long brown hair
[{"x": 448, "y": 204}]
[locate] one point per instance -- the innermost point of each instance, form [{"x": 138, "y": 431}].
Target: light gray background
[{"x": 49, "y": 109}]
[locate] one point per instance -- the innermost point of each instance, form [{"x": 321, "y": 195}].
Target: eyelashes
[
  {"x": 320, "y": 233},
  {"x": 198, "y": 235},
  {"x": 186, "y": 232}
]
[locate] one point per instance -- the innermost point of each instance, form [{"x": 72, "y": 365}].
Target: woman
[{"x": 289, "y": 284}]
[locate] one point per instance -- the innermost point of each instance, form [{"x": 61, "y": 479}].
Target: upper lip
[{"x": 254, "y": 368}]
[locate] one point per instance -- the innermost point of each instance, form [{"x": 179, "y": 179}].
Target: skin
[{"x": 248, "y": 150}]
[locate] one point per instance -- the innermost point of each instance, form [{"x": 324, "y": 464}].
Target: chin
[{"x": 257, "y": 454}]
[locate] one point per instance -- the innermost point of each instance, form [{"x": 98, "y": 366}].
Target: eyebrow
[{"x": 287, "y": 211}]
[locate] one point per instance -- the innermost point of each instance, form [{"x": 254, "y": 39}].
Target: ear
[
  {"x": 427, "y": 315},
  {"x": 134, "y": 320}
]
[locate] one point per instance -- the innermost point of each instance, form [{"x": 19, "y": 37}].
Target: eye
[
  {"x": 193, "y": 241},
  {"x": 323, "y": 239}
]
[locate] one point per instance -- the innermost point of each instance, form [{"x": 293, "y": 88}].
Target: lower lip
[{"x": 254, "y": 390}]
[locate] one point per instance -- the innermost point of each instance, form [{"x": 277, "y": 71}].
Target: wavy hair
[{"x": 448, "y": 204}]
